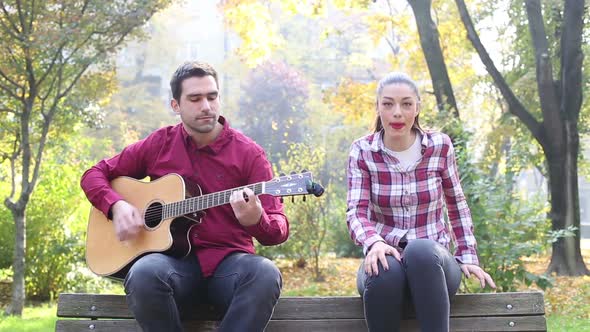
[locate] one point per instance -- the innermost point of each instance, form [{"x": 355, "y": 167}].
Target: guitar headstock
[{"x": 290, "y": 185}]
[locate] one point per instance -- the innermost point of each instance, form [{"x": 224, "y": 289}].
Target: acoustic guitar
[{"x": 168, "y": 217}]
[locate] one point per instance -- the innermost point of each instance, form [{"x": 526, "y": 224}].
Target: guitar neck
[{"x": 199, "y": 203}]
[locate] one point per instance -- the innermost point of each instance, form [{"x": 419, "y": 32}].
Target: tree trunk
[
  {"x": 558, "y": 132},
  {"x": 430, "y": 42},
  {"x": 18, "y": 266},
  {"x": 566, "y": 257}
]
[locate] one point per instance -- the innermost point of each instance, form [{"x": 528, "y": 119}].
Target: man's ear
[{"x": 175, "y": 106}]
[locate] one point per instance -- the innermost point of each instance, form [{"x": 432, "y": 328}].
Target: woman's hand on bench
[{"x": 479, "y": 273}]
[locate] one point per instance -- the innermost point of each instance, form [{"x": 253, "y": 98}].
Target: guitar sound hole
[{"x": 153, "y": 215}]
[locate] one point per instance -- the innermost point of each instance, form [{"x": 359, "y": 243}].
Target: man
[{"x": 222, "y": 268}]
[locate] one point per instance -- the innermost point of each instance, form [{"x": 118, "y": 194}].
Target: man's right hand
[{"x": 127, "y": 219}]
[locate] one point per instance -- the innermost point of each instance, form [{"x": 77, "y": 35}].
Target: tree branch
[
  {"x": 13, "y": 57},
  {"x": 547, "y": 94},
  {"x": 14, "y": 26},
  {"x": 431, "y": 47},
  {"x": 50, "y": 89},
  {"x": 21, "y": 17},
  {"x": 391, "y": 42},
  {"x": 15, "y": 84},
  {"x": 10, "y": 92},
  {"x": 53, "y": 61},
  {"x": 75, "y": 79},
  {"x": 514, "y": 105},
  {"x": 6, "y": 109},
  {"x": 16, "y": 149},
  {"x": 32, "y": 17},
  {"x": 571, "y": 58},
  {"x": 40, "y": 149},
  {"x": 10, "y": 32}
]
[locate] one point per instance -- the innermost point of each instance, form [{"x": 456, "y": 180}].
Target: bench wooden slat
[
  {"x": 306, "y": 308},
  {"x": 526, "y": 323}
]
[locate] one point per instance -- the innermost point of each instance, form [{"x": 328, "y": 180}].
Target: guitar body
[
  {"x": 107, "y": 256},
  {"x": 168, "y": 218}
]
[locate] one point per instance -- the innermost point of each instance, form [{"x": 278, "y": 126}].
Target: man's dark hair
[{"x": 187, "y": 70}]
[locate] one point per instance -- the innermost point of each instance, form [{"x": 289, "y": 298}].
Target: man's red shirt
[{"x": 231, "y": 161}]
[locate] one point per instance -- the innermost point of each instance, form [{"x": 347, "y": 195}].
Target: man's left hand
[{"x": 246, "y": 206}]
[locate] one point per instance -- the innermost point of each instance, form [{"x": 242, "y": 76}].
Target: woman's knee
[
  {"x": 423, "y": 252},
  {"x": 391, "y": 280}
]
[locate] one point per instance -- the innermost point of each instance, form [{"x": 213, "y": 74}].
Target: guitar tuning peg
[
  {"x": 304, "y": 198},
  {"x": 304, "y": 171},
  {"x": 292, "y": 199},
  {"x": 282, "y": 174},
  {"x": 293, "y": 173},
  {"x": 281, "y": 200}
]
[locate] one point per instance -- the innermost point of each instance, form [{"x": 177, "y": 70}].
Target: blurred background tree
[
  {"x": 54, "y": 73},
  {"x": 272, "y": 107}
]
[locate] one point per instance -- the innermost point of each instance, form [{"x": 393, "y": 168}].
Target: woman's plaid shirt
[{"x": 385, "y": 202}]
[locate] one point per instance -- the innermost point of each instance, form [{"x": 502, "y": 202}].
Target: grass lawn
[{"x": 35, "y": 319}]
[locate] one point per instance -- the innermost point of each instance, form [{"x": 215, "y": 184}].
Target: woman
[{"x": 397, "y": 180}]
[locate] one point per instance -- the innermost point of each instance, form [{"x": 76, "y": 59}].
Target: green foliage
[
  {"x": 56, "y": 219},
  {"x": 508, "y": 230},
  {"x": 54, "y": 75},
  {"x": 48, "y": 60},
  {"x": 341, "y": 243},
  {"x": 56, "y": 226},
  {"x": 309, "y": 221},
  {"x": 508, "y": 227},
  {"x": 6, "y": 236}
]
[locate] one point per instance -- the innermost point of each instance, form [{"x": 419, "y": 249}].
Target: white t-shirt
[{"x": 410, "y": 156}]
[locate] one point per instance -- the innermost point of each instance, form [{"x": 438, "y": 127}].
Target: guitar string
[
  {"x": 193, "y": 202},
  {"x": 176, "y": 208}
]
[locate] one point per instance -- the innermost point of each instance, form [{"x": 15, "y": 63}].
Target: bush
[
  {"x": 509, "y": 229},
  {"x": 56, "y": 222}
]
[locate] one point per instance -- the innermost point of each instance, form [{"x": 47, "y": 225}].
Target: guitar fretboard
[{"x": 199, "y": 203}]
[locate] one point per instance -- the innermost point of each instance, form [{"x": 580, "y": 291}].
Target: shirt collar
[
  {"x": 378, "y": 145},
  {"x": 221, "y": 140}
]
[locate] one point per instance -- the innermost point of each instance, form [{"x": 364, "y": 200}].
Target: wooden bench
[{"x": 469, "y": 312}]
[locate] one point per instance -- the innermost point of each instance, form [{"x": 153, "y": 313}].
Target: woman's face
[{"x": 398, "y": 106}]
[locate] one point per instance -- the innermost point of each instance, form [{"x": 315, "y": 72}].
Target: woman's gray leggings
[{"x": 428, "y": 272}]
